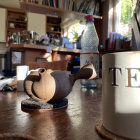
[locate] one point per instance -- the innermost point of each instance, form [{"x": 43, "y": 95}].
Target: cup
[
  {"x": 21, "y": 74},
  {"x": 121, "y": 93}
]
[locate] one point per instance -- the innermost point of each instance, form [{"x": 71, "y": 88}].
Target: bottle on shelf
[{"x": 89, "y": 53}]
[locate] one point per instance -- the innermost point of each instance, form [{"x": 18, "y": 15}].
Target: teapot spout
[{"x": 86, "y": 72}]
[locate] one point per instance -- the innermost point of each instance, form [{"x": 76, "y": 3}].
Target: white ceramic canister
[{"x": 121, "y": 93}]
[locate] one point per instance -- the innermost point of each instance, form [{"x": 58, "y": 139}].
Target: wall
[
  {"x": 105, "y": 20},
  {"x": 3, "y": 51},
  {"x": 37, "y": 23},
  {"x": 3, "y": 13},
  {"x": 3, "y": 48}
]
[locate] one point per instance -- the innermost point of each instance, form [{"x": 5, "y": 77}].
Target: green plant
[{"x": 75, "y": 34}]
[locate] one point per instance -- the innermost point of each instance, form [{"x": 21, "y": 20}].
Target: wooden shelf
[
  {"x": 54, "y": 32},
  {"x": 121, "y": 50},
  {"x": 50, "y": 24},
  {"x": 53, "y": 27},
  {"x": 16, "y": 11},
  {"x": 14, "y": 21},
  {"x": 19, "y": 23},
  {"x": 115, "y": 51},
  {"x": 17, "y": 29},
  {"x": 43, "y": 9}
]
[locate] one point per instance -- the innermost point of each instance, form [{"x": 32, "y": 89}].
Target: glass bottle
[{"x": 89, "y": 53}]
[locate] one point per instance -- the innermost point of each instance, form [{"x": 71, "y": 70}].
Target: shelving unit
[
  {"x": 53, "y": 25},
  {"x": 16, "y": 21},
  {"x": 53, "y": 32},
  {"x": 19, "y": 22},
  {"x": 62, "y": 13},
  {"x": 43, "y": 9},
  {"x": 53, "y": 28},
  {"x": 16, "y": 29}
]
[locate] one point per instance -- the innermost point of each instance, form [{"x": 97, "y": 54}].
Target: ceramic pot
[{"x": 50, "y": 86}]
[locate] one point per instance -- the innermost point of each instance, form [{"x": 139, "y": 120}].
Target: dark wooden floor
[{"x": 76, "y": 122}]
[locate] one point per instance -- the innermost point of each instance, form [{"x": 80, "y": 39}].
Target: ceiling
[{"x": 10, "y": 3}]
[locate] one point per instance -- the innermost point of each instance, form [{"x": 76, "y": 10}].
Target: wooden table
[
  {"x": 31, "y": 52},
  {"x": 63, "y": 52},
  {"x": 76, "y": 122}
]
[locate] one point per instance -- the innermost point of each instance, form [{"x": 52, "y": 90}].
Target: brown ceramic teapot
[{"x": 50, "y": 86}]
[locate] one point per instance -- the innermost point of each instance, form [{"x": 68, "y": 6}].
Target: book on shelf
[
  {"x": 78, "y": 3},
  {"x": 69, "y": 5},
  {"x": 111, "y": 41},
  {"x": 51, "y": 3},
  {"x": 74, "y": 8},
  {"x": 39, "y": 1},
  {"x": 117, "y": 42},
  {"x": 114, "y": 41},
  {"x": 59, "y": 3},
  {"x": 68, "y": 1},
  {"x": 87, "y": 4},
  {"x": 62, "y": 4},
  {"x": 96, "y": 8},
  {"x": 45, "y": 2},
  {"x": 91, "y": 7},
  {"x": 65, "y": 4},
  {"x": 54, "y": 4},
  {"x": 83, "y": 6}
]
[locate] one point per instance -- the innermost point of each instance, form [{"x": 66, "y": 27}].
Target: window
[
  {"x": 74, "y": 31},
  {"x": 126, "y": 13}
]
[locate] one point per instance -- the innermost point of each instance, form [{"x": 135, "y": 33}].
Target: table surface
[
  {"x": 76, "y": 122},
  {"x": 27, "y": 46},
  {"x": 40, "y": 47}
]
